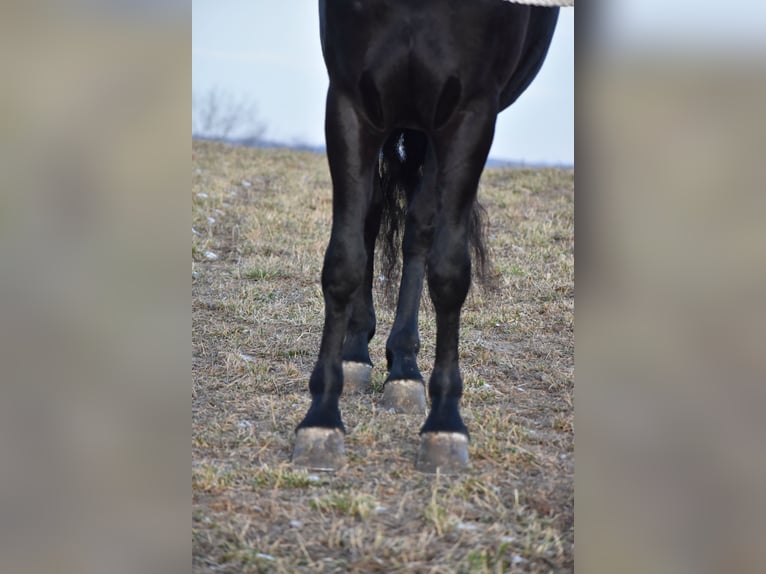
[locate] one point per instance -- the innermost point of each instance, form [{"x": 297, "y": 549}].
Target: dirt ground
[{"x": 260, "y": 224}]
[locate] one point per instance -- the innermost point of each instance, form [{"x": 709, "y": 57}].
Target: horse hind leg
[
  {"x": 444, "y": 436},
  {"x": 351, "y": 153}
]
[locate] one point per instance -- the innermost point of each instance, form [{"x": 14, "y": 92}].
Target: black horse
[{"x": 415, "y": 89}]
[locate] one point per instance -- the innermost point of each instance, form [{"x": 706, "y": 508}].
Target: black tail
[{"x": 400, "y": 170}]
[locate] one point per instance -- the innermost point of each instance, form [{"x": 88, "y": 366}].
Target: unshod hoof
[
  {"x": 356, "y": 377},
  {"x": 445, "y": 451},
  {"x": 319, "y": 449},
  {"x": 407, "y": 396}
]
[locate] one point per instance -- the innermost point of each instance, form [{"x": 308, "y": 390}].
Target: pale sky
[
  {"x": 683, "y": 24},
  {"x": 269, "y": 54}
]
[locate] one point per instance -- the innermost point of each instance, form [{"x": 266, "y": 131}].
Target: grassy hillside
[{"x": 260, "y": 224}]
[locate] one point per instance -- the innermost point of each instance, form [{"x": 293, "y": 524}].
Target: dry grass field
[{"x": 260, "y": 224}]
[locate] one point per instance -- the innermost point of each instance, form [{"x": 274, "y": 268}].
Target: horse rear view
[{"x": 415, "y": 89}]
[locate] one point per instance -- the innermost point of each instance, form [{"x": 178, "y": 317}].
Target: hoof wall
[
  {"x": 446, "y": 452},
  {"x": 319, "y": 449},
  {"x": 356, "y": 377},
  {"x": 408, "y": 397}
]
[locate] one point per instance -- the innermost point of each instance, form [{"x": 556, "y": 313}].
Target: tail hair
[{"x": 393, "y": 217}]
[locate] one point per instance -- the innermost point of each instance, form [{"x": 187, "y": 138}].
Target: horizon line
[{"x": 255, "y": 142}]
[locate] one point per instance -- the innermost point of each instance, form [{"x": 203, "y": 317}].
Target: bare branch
[{"x": 219, "y": 115}]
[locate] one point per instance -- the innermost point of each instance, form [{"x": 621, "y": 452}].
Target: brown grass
[{"x": 257, "y": 317}]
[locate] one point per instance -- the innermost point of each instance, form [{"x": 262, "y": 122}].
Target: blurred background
[
  {"x": 258, "y": 78},
  {"x": 670, "y": 271}
]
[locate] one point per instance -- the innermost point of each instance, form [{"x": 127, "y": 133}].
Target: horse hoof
[
  {"x": 446, "y": 452},
  {"x": 406, "y": 396},
  {"x": 356, "y": 377},
  {"x": 319, "y": 449}
]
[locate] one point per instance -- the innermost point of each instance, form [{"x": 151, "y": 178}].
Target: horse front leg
[
  {"x": 351, "y": 152},
  {"x": 357, "y": 365},
  {"x": 404, "y": 390}
]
